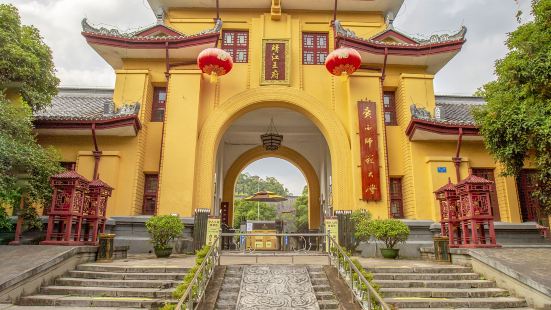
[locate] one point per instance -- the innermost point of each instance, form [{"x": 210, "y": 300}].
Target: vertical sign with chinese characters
[
  {"x": 331, "y": 228},
  {"x": 213, "y": 230},
  {"x": 276, "y": 66},
  {"x": 369, "y": 151}
]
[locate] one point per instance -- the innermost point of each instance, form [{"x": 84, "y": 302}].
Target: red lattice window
[
  {"x": 159, "y": 104},
  {"x": 237, "y": 44},
  {"x": 396, "y": 200},
  {"x": 389, "y": 102},
  {"x": 488, "y": 174},
  {"x": 315, "y": 48},
  {"x": 150, "y": 194}
]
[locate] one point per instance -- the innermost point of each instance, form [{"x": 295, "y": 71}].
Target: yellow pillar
[{"x": 176, "y": 179}]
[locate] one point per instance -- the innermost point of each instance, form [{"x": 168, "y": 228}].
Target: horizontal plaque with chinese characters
[
  {"x": 276, "y": 66},
  {"x": 369, "y": 151}
]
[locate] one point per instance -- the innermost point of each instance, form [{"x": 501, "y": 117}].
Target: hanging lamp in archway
[
  {"x": 343, "y": 61},
  {"x": 214, "y": 62},
  {"x": 271, "y": 140}
]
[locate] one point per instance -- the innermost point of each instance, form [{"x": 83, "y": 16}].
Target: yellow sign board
[
  {"x": 332, "y": 228},
  {"x": 213, "y": 230}
]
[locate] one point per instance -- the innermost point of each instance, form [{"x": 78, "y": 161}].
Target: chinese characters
[
  {"x": 369, "y": 151},
  {"x": 274, "y": 62}
]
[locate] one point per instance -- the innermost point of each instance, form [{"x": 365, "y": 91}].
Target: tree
[
  {"x": 301, "y": 211},
  {"x": 248, "y": 185},
  {"x": 26, "y": 68},
  {"x": 516, "y": 121},
  {"x": 248, "y": 210},
  {"x": 26, "y": 63}
]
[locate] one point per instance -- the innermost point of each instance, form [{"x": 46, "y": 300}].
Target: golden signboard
[
  {"x": 275, "y": 65},
  {"x": 332, "y": 228},
  {"x": 213, "y": 230}
]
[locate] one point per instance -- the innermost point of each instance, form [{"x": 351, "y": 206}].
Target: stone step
[
  {"x": 328, "y": 304},
  {"x": 436, "y": 283},
  {"x": 131, "y": 269},
  {"x": 426, "y": 276},
  {"x": 315, "y": 275},
  {"x": 492, "y": 303},
  {"x": 322, "y": 288},
  {"x": 125, "y": 276},
  {"x": 16, "y": 307},
  {"x": 445, "y": 292},
  {"x": 107, "y": 291},
  {"x": 427, "y": 269},
  {"x": 325, "y": 296},
  {"x": 80, "y": 301},
  {"x": 116, "y": 283},
  {"x": 522, "y": 308}
]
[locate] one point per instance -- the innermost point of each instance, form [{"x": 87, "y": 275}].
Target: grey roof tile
[
  {"x": 457, "y": 109},
  {"x": 84, "y": 104}
]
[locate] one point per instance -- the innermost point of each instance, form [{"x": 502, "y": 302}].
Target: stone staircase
[
  {"x": 322, "y": 288},
  {"x": 229, "y": 291},
  {"x": 441, "y": 286},
  {"x": 98, "y": 285}
]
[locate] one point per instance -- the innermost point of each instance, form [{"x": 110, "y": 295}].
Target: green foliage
[
  {"x": 26, "y": 67},
  {"x": 301, "y": 211},
  {"x": 516, "y": 122},
  {"x": 360, "y": 220},
  {"x": 26, "y": 63},
  {"x": 248, "y": 210},
  {"x": 163, "y": 229},
  {"x": 31, "y": 220},
  {"x": 390, "y": 231},
  {"x": 247, "y": 185},
  {"x": 182, "y": 287},
  {"x": 6, "y": 224},
  {"x": 168, "y": 307},
  {"x": 20, "y": 155}
]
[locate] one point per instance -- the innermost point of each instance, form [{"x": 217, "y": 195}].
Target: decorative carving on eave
[
  {"x": 86, "y": 27},
  {"x": 440, "y": 38},
  {"x": 419, "y": 113}
]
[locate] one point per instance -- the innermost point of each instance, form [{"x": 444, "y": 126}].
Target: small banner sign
[
  {"x": 213, "y": 230},
  {"x": 276, "y": 66},
  {"x": 332, "y": 228},
  {"x": 369, "y": 151}
]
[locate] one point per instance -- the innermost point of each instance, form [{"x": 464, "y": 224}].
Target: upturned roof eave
[{"x": 440, "y": 127}]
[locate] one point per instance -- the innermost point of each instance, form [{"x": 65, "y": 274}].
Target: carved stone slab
[{"x": 282, "y": 287}]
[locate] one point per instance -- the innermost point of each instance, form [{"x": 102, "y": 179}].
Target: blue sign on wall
[{"x": 441, "y": 169}]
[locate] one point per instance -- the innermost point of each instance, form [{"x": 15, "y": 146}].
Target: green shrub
[
  {"x": 5, "y": 221},
  {"x": 360, "y": 220},
  {"x": 163, "y": 229},
  {"x": 168, "y": 307},
  {"x": 390, "y": 231},
  {"x": 182, "y": 287}
]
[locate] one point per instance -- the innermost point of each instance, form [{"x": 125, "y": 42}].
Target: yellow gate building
[{"x": 170, "y": 141}]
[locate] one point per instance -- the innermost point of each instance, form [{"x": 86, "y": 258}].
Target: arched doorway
[
  {"x": 213, "y": 129},
  {"x": 284, "y": 153}
]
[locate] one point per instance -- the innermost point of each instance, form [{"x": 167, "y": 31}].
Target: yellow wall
[{"x": 183, "y": 149}]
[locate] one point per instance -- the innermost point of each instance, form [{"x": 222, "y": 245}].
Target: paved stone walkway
[
  {"x": 150, "y": 260},
  {"x": 16, "y": 261},
  {"x": 282, "y": 287},
  {"x": 526, "y": 264}
]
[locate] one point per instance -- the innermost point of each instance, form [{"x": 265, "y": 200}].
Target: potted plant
[
  {"x": 391, "y": 232},
  {"x": 163, "y": 229}
]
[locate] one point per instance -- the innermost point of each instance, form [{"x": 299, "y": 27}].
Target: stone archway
[
  {"x": 274, "y": 96},
  {"x": 289, "y": 155}
]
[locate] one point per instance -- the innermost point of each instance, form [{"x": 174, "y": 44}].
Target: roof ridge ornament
[
  {"x": 160, "y": 15},
  {"x": 445, "y": 37},
  {"x": 389, "y": 20}
]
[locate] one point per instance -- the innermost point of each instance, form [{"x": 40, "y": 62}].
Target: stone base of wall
[
  {"x": 422, "y": 232},
  {"x": 130, "y": 231}
]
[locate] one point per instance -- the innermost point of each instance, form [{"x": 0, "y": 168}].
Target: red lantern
[
  {"x": 343, "y": 61},
  {"x": 215, "y": 62}
]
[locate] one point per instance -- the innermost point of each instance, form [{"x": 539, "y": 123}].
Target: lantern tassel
[
  {"x": 213, "y": 77},
  {"x": 344, "y": 76}
]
